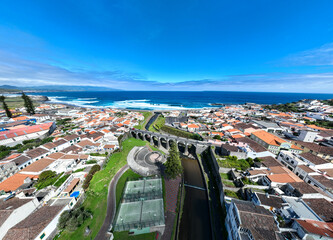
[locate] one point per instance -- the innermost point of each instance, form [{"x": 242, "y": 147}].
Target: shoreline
[
  {"x": 161, "y": 104},
  {"x": 130, "y": 109}
]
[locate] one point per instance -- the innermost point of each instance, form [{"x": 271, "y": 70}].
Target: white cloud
[
  {"x": 20, "y": 72},
  {"x": 322, "y": 56}
]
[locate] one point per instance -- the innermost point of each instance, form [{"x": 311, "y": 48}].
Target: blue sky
[{"x": 257, "y": 45}]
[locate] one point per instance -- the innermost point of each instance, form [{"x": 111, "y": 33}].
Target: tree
[
  {"x": 28, "y": 104},
  {"x": 5, "y": 107},
  {"x": 72, "y": 219},
  {"x": 250, "y": 161},
  {"x": 218, "y": 137},
  {"x": 64, "y": 217},
  {"x": 173, "y": 166}
]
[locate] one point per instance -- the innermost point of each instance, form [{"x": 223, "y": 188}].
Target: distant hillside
[
  {"x": 53, "y": 88},
  {"x": 7, "y": 90}
]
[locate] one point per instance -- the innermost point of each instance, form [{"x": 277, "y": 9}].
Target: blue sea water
[{"x": 153, "y": 100}]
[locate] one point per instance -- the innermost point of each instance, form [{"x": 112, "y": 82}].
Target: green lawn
[
  {"x": 228, "y": 183},
  {"x": 124, "y": 236},
  {"x": 225, "y": 176},
  {"x": 96, "y": 195},
  {"x": 143, "y": 123},
  {"x": 17, "y": 102},
  {"x": 180, "y": 133},
  {"x": 158, "y": 124},
  {"x": 249, "y": 182},
  {"x": 240, "y": 164},
  {"x": 232, "y": 194}
]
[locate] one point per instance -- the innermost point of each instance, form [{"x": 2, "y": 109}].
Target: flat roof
[{"x": 300, "y": 208}]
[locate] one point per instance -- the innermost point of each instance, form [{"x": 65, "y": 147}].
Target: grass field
[
  {"x": 228, "y": 183},
  {"x": 240, "y": 164},
  {"x": 96, "y": 195},
  {"x": 232, "y": 194},
  {"x": 156, "y": 126},
  {"x": 225, "y": 176},
  {"x": 180, "y": 133},
  {"x": 143, "y": 123},
  {"x": 16, "y": 102}
]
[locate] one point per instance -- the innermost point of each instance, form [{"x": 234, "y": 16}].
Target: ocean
[{"x": 163, "y": 100}]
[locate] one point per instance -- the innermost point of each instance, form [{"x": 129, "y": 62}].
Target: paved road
[{"x": 111, "y": 207}]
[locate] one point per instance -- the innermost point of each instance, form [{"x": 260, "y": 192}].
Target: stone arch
[
  {"x": 156, "y": 140},
  {"x": 192, "y": 148},
  {"x": 134, "y": 134},
  {"x": 164, "y": 142},
  {"x": 181, "y": 146},
  {"x": 171, "y": 141},
  {"x": 140, "y": 135},
  {"x": 147, "y": 137}
]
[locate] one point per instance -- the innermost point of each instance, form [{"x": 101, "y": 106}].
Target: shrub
[
  {"x": 91, "y": 161},
  {"x": 46, "y": 174},
  {"x": 90, "y": 175},
  {"x": 61, "y": 180},
  {"x": 72, "y": 219},
  {"x": 218, "y": 137}
]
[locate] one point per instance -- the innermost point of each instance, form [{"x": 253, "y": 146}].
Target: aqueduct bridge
[{"x": 165, "y": 140}]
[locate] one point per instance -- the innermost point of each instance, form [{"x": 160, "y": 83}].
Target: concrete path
[{"x": 111, "y": 205}]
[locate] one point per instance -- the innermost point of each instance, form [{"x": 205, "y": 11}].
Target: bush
[
  {"x": 46, "y": 178},
  {"x": 4, "y": 154},
  {"x": 72, "y": 219},
  {"x": 98, "y": 154},
  {"x": 258, "y": 159},
  {"x": 180, "y": 133},
  {"x": 90, "y": 175},
  {"x": 218, "y": 137},
  {"x": 91, "y": 161},
  {"x": 46, "y": 174},
  {"x": 250, "y": 161},
  {"x": 61, "y": 180},
  {"x": 62, "y": 121}
]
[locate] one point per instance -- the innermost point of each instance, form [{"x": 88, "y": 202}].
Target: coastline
[
  {"x": 129, "y": 109},
  {"x": 169, "y": 101}
]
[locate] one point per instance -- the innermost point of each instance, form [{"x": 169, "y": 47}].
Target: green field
[
  {"x": 157, "y": 124},
  {"x": 225, "y": 176},
  {"x": 96, "y": 195},
  {"x": 180, "y": 133},
  {"x": 232, "y": 194},
  {"x": 143, "y": 123},
  {"x": 16, "y": 102},
  {"x": 239, "y": 164}
]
